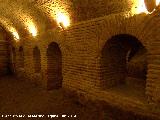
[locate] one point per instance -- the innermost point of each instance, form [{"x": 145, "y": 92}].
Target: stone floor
[{"x": 19, "y": 97}]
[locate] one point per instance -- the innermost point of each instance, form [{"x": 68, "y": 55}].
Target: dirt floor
[{"x": 19, "y": 97}]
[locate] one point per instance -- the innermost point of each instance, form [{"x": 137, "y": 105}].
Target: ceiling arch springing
[
  {"x": 9, "y": 27},
  {"x": 24, "y": 17},
  {"x": 31, "y": 17}
]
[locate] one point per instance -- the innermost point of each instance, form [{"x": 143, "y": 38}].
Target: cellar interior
[{"x": 80, "y": 59}]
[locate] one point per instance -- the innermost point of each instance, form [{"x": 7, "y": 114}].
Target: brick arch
[
  {"x": 54, "y": 36},
  {"x": 59, "y": 38},
  {"x": 37, "y": 59},
  {"x": 21, "y": 57},
  {"x": 152, "y": 36},
  {"x": 54, "y": 66},
  {"x": 146, "y": 30},
  {"x": 124, "y": 63}
]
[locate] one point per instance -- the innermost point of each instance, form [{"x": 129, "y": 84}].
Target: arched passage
[
  {"x": 124, "y": 63},
  {"x": 13, "y": 58},
  {"x": 4, "y": 53},
  {"x": 54, "y": 66},
  {"x": 37, "y": 60},
  {"x": 21, "y": 57}
]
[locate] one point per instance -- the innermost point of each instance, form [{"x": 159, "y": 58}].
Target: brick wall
[
  {"x": 82, "y": 10},
  {"x": 96, "y": 8},
  {"x": 81, "y": 48}
]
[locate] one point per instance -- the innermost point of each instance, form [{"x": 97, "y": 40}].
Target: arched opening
[
  {"x": 37, "y": 60},
  {"x": 54, "y": 66},
  {"x": 124, "y": 64},
  {"x": 21, "y": 57},
  {"x": 13, "y": 58},
  {"x": 4, "y": 53}
]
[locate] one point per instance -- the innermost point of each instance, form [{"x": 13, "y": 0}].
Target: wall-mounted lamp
[
  {"x": 62, "y": 20},
  {"x": 61, "y": 25}
]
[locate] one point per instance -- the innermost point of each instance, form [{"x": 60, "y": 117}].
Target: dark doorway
[
  {"x": 21, "y": 57},
  {"x": 13, "y": 58},
  {"x": 54, "y": 66},
  {"x": 37, "y": 60},
  {"x": 124, "y": 63}
]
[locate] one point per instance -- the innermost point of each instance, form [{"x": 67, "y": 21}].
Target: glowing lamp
[
  {"x": 157, "y": 2},
  {"x": 15, "y": 35},
  {"x": 63, "y": 20},
  {"x": 62, "y": 25},
  {"x": 32, "y": 29}
]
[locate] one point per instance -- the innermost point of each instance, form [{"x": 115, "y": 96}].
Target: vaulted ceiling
[
  {"x": 31, "y": 17},
  {"x": 24, "y": 17}
]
